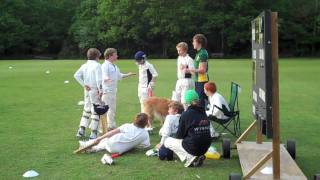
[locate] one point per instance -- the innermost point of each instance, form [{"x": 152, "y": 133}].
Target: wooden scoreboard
[
  {"x": 256, "y": 157},
  {"x": 262, "y": 72}
]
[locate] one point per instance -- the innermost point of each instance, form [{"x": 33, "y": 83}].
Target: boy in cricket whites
[
  {"x": 111, "y": 75},
  {"x": 184, "y": 67},
  {"x": 123, "y": 138},
  {"x": 89, "y": 77},
  {"x": 147, "y": 77},
  {"x": 169, "y": 129}
]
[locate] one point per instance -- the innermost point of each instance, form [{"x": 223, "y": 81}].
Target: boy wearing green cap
[{"x": 193, "y": 137}]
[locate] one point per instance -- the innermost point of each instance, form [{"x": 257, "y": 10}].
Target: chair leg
[
  {"x": 239, "y": 127},
  {"x": 235, "y": 131},
  {"x": 225, "y": 127}
]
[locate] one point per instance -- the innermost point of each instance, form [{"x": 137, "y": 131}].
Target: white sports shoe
[
  {"x": 106, "y": 159},
  {"x": 190, "y": 161},
  {"x": 93, "y": 135},
  {"x": 80, "y": 133},
  {"x": 82, "y": 144}
]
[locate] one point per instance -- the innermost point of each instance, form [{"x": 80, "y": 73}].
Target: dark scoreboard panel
[{"x": 262, "y": 72}]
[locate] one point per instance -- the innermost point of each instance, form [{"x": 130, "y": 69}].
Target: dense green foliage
[{"x": 68, "y": 27}]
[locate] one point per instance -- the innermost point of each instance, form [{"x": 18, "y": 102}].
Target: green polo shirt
[{"x": 201, "y": 56}]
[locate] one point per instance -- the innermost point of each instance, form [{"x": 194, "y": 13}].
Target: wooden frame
[{"x": 275, "y": 153}]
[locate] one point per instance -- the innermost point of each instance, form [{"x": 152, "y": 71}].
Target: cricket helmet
[
  {"x": 100, "y": 109},
  {"x": 140, "y": 55}
]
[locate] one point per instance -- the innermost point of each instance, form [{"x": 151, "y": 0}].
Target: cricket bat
[
  {"x": 103, "y": 120},
  {"x": 90, "y": 145}
]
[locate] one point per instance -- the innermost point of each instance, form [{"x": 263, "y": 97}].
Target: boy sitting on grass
[
  {"x": 169, "y": 129},
  {"x": 123, "y": 138}
]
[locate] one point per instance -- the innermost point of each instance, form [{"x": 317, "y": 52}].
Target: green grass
[{"x": 40, "y": 116}]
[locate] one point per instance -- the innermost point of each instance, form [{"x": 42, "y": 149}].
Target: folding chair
[{"x": 234, "y": 114}]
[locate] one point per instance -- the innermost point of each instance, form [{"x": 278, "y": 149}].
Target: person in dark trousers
[
  {"x": 200, "y": 70},
  {"x": 193, "y": 136}
]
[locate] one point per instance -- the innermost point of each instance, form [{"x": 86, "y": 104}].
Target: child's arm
[
  {"x": 99, "y": 78},
  {"x": 125, "y": 75},
  {"x": 182, "y": 130},
  {"x": 202, "y": 65},
  {"x": 145, "y": 143},
  {"x": 78, "y": 75},
  {"x": 165, "y": 130},
  {"x": 202, "y": 68},
  {"x": 108, "y": 134},
  {"x": 211, "y": 107},
  {"x": 190, "y": 65},
  {"x": 105, "y": 74},
  {"x": 154, "y": 76}
]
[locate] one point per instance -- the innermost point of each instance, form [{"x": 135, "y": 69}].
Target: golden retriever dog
[{"x": 156, "y": 107}]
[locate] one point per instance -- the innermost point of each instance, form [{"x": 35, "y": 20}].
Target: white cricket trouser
[
  {"x": 176, "y": 146},
  {"x": 110, "y": 99},
  {"x": 101, "y": 145},
  {"x": 182, "y": 86},
  {"x": 143, "y": 95},
  {"x": 90, "y": 97},
  {"x": 114, "y": 146}
]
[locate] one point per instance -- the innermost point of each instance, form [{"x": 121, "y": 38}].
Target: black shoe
[{"x": 199, "y": 161}]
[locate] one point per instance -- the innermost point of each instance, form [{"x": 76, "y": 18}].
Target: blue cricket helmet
[{"x": 140, "y": 55}]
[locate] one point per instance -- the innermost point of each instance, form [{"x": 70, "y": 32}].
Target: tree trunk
[
  {"x": 313, "y": 46},
  {"x": 164, "y": 47}
]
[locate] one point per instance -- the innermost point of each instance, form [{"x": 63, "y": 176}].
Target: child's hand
[
  {"x": 182, "y": 67},
  {"x": 107, "y": 80},
  {"x": 187, "y": 70},
  {"x": 87, "y": 87},
  {"x": 131, "y": 74},
  {"x": 151, "y": 85},
  {"x": 192, "y": 70},
  {"x": 158, "y": 146},
  {"x": 100, "y": 93}
]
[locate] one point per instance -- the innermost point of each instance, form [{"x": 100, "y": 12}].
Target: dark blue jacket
[{"x": 194, "y": 129}]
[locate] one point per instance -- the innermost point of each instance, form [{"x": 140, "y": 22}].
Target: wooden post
[
  {"x": 259, "y": 137},
  {"x": 275, "y": 97},
  {"x": 246, "y": 132}
]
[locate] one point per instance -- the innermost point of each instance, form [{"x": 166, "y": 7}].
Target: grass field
[{"x": 40, "y": 116}]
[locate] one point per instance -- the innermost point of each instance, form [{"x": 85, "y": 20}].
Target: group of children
[{"x": 100, "y": 87}]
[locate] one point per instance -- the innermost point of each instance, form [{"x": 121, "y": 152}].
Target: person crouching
[{"x": 193, "y": 136}]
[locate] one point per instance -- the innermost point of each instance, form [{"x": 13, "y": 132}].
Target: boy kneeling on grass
[
  {"x": 123, "y": 138},
  {"x": 169, "y": 129}
]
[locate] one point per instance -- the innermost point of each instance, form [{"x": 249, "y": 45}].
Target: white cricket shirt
[
  {"x": 112, "y": 72},
  {"x": 217, "y": 100},
  {"x": 89, "y": 74},
  {"x": 185, "y": 61},
  {"x": 143, "y": 75}
]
